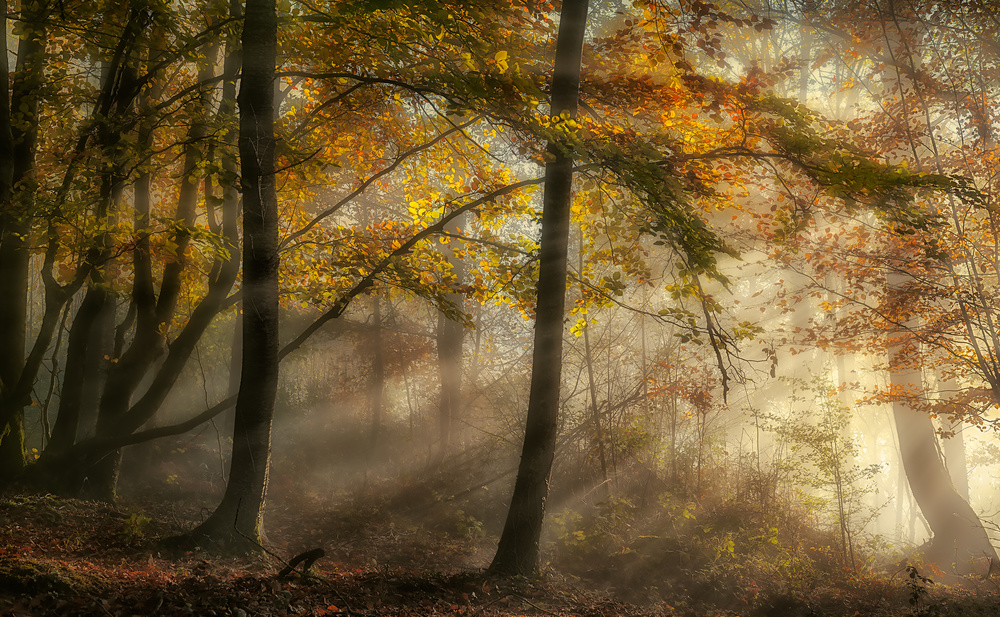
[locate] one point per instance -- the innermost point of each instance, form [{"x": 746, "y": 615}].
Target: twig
[
  {"x": 532, "y": 604},
  {"x": 489, "y": 604}
]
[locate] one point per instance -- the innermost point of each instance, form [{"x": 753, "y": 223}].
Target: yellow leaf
[{"x": 501, "y": 59}]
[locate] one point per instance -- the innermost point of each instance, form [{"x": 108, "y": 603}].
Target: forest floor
[{"x": 68, "y": 557}]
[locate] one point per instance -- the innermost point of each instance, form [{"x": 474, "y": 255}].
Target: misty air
[{"x": 500, "y": 308}]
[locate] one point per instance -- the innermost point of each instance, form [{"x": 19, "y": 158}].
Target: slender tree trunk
[
  {"x": 236, "y": 525},
  {"x": 518, "y": 550},
  {"x": 376, "y": 388},
  {"x": 450, "y": 342},
  {"x": 902, "y": 496},
  {"x": 595, "y": 410},
  {"x": 954, "y": 456}
]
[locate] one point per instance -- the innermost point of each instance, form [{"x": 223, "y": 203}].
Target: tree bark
[
  {"x": 236, "y": 525},
  {"x": 518, "y": 550},
  {"x": 71, "y": 396}
]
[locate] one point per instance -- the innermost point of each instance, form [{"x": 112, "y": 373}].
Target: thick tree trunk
[
  {"x": 518, "y": 550},
  {"x": 18, "y": 133},
  {"x": 958, "y": 534},
  {"x": 959, "y": 537},
  {"x": 237, "y": 523}
]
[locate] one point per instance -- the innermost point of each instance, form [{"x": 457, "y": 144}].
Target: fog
[{"x": 782, "y": 264}]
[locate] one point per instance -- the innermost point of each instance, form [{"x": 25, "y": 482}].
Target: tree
[
  {"x": 237, "y": 523},
  {"x": 959, "y": 536},
  {"x": 133, "y": 72},
  {"x": 518, "y": 550},
  {"x": 927, "y": 294},
  {"x": 450, "y": 338},
  {"x": 18, "y": 137}
]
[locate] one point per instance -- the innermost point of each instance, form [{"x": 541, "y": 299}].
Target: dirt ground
[
  {"x": 65, "y": 557},
  {"x": 68, "y": 557}
]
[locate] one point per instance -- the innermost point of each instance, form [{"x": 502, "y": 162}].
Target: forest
[{"x": 500, "y": 307}]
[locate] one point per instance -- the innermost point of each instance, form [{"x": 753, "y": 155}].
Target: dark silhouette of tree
[
  {"x": 236, "y": 524},
  {"x": 518, "y": 551},
  {"x": 18, "y": 136}
]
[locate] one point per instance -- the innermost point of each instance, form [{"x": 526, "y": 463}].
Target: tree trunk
[
  {"x": 953, "y": 446},
  {"x": 518, "y": 550},
  {"x": 595, "y": 410},
  {"x": 19, "y": 134},
  {"x": 71, "y": 396},
  {"x": 954, "y": 456},
  {"x": 100, "y": 352},
  {"x": 236, "y": 525},
  {"x": 450, "y": 341},
  {"x": 153, "y": 323},
  {"x": 959, "y": 537},
  {"x": 958, "y": 534},
  {"x": 376, "y": 388}
]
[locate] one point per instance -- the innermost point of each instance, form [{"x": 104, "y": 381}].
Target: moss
[{"x": 32, "y": 577}]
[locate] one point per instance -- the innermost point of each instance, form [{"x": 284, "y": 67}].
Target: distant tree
[
  {"x": 927, "y": 295},
  {"x": 450, "y": 337}
]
